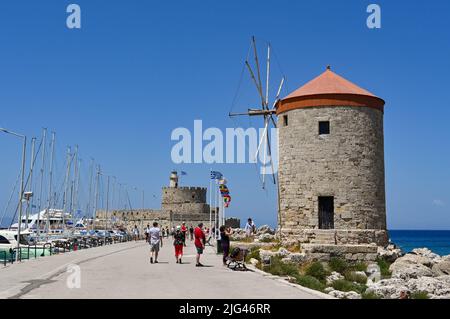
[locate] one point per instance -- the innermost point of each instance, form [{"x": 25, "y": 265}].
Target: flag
[
  {"x": 216, "y": 175},
  {"x": 183, "y": 173}
]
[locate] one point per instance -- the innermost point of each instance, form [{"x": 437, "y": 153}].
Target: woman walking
[
  {"x": 225, "y": 233},
  {"x": 178, "y": 244}
]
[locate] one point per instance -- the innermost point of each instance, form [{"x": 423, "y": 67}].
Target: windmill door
[{"x": 326, "y": 212}]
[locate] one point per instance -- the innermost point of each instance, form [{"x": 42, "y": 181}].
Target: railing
[
  {"x": 58, "y": 247},
  {"x": 4, "y": 257}
]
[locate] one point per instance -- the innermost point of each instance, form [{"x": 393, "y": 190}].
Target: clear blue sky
[{"x": 138, "y": 69}]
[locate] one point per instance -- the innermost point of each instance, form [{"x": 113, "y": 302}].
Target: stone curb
[{"x": 284, "y": 281}]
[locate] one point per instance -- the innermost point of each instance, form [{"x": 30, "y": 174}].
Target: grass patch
[
  {"x": 384, "y": 268},
  {"x": 310, "y": 282},
  {"x": 317, "y": 270},
  {"x": 345, "y": 286},
  {"x": 278, "y": 268},
  {"x": 338, "y": 264},
  {"x": 370, "y": 295},
  {"x": 420, "y": 295},
  {"x": 353, "y": 277},
  {"x": 361, "y": 266}
]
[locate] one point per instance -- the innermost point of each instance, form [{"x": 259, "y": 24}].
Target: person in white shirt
[
  {"x": 249, "y": 227},
  {"x": 155, "y": 241}
]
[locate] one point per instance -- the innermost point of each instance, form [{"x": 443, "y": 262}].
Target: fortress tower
[{"x": 331, "y": 163}]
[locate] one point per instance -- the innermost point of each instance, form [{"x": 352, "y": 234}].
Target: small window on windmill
[
  {"x": 324, "y": 127},
  {"x": 285, "y": 120}
]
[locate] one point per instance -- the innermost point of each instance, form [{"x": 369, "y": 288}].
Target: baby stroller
[{"x": 236, "y": 260}]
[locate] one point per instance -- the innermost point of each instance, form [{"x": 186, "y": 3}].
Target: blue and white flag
[{"x": 216, "y": 175}]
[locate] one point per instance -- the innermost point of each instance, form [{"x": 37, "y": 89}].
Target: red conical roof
[{"x": 329, "y": 89}]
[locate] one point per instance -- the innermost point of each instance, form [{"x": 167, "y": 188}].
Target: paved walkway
[{"x": 124, "y": 271}]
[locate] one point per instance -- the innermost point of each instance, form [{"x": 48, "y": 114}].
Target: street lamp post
[{"x": 24, "y": 149}]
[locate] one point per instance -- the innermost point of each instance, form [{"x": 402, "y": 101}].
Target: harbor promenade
[{"x": 124, "y": 271}]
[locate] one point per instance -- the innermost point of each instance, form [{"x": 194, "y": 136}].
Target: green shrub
[
  {"x": 361, "y": 266},
  {"x": 370, "y": 295},
  {"x": 384, "y": 268},
  {"x": 338, "y": 264},
  {"x": 253, "y": 253},
  {"x": 279, "y": 268},
  {"x": 353, "y": 277},
  {"x": 317, "y": 270},
  {"x": 420, "y": 295},
  {"x": 310, "y": 282},
  {"x": 345, "y": 285}
]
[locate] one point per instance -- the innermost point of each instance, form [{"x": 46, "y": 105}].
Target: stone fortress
[
  {"x": 178, "y": 204},
  {"x": 331, "y": 168}
]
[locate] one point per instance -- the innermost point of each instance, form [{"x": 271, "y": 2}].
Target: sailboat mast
[
  {"x": 50, "y": 181},
  {"x": 66, "y": 187},
  {"x": 94, "y": 213},
  {"x": 44, "y": 142},
  {"x": 73, "y": 201},
  {"x": 91, "y": 176},
  {"x": 30, "y": 199}
]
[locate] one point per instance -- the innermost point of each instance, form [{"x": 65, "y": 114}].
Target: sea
[{"x": 437, "y": 241}]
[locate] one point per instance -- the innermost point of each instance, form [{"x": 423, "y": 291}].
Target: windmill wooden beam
[{"x": 254, "y": 112}]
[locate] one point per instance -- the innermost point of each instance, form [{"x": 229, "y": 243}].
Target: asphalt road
[{"x": 124, "y": 271}]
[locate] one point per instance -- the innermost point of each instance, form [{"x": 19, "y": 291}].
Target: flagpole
[
  {"x": 210, "y": 203},
  {"x": 217, "y": 214}
]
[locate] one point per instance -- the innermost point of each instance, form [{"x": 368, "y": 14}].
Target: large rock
[
  {"x": 442, "y": 268},
  {"x": 414, "y": 265},
  {"x": 389, "y": 288},
  {"x": 265, "y": 229},
  {"x": 408, "y": 270},
  {"x": 389, "y": 253},
  {"x": 426, "y": 253},
  {"x": 238, "y": 236},
  {"x": 436, "y": 288},
  {"x": 334, "y": 277}
]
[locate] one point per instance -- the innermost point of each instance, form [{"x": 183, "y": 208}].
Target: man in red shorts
[{"x": 199, "y": 242}]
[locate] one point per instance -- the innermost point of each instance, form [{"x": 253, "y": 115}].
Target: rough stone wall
[
  {"x": 172, "y": 195},
  {"x": 347, "y": 164}
]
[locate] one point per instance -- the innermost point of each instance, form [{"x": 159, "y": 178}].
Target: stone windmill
[{"x": 331, "y": 167}]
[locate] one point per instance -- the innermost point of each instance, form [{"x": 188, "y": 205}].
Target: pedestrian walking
[
  {"x": 136, "y": 233},
  {"x": 199, "y": 243},
  {"x": 178, "y": 244},
  {"x": 184, "y": 232},
  {"x": 225, "y": 233},
  {"x": 147, "y": 229},
  {"x": 155, "y": 242},
  {"x": 191, "y": 232}
]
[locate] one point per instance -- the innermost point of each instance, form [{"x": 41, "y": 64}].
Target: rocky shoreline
[{"x": 420, "y": 274}]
